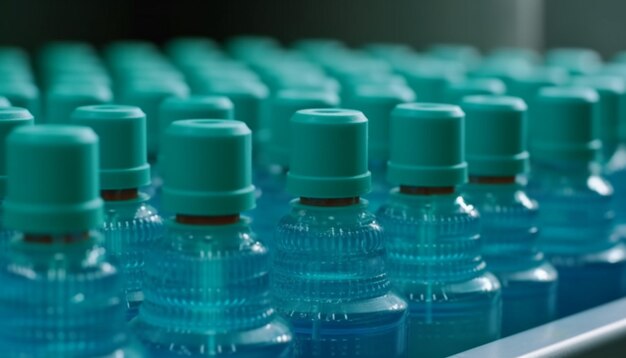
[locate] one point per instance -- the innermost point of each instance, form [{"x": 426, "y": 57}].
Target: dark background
[{"x": 599, "y": 24}]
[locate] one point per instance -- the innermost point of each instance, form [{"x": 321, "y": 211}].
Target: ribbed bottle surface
[
  {"x": 130, "y": 228},
  {"x": 576, "y": 220},
  {"x": 509, "y": 238},
  {"x": 330, "y": 282},
  {"x": 207, "y": 294},
  {"x": 615, "y": 171},
  {"x": 434, "y": 259},
  {"x": 62, "y": 299}
]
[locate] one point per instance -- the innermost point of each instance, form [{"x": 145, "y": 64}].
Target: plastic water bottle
[
  {"x": 10, "y": 119},
  {"x": 330, "y": 278},
  {"x": 432, "y": 235},
  {"x": 271, "y": 176},
  {"x": 576, "y": 215},
  {"x": 59, "y": 296},
  {"x": 207, "y": 285},
  {"x": 131, "y": 226},
  {"x": 376, "y": 102},
  {"x": 497, "y": 155}
]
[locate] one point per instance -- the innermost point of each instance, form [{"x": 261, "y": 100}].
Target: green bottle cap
[
  {"x": 473, "y": 86},
  {"x": 281, "y": 107},
  {"x": 515, "y": 54},
  {"x": 611, "y": 93},
  {"x": 329, "y": 154},
  {"x": 22, "y": 94},
  {"x": 376, "y": 102},
  {"x": 4, "y": 102},
  {"x": 575, "y": 60},
  {"x": 526, "y": 85},
  {"x": 148, "y": 96},
  {"x": 469, "y": 56},
  {"x": 10, "y": 118},
  {"x": 246, "y": 96},
  {"x": 430, "y": 78},
  {"x": 122, "y": 134},
  {"x": 207, "y": 167},
  {"x": 194, "y": 107},
  {"x": 562, "y": 122},
  {"x": 427, "y": 145},
  {"x": 52, "y": 185},
  {"x": 495, "y": 135},
  {"x": 63, "y": 99}
]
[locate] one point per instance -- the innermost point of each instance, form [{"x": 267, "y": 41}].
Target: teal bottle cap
[
  {"x": 495, "y": 135},
  {"x": 469, "y": 56},
  {"x": 329, "y": 154},
  {"x": 376, "y": 102},
  {"x": 122, "y": 134},
  {"x": 473, "y": 86},
  {"x": 22, "y": 94},
  {"x": 281, "y": 107},
  {"x": 52, "y": 185},
  {"x": 148, "y": 95},
  {"x": 427, "y": 145},
  {"x": 63, "y": 99},
  {"x": 246, "y": 96},
  {"x": 10, "y": 119},
  {"x": 575, "y": 60},
  {"x": 4, "y": 102},
  {"x": 207, "y": 167},
  {"x": 611, "y": 91},
  {"x": 562, "y": 122},
  {"x": 194, "y": 107},
  {"x": 430, "y": 78},
  {"x": 526, "y": 85}
]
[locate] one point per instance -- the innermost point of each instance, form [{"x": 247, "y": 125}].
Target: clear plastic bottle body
[
  {"x": 207, "y": 294},
  {"x": 61, "y": 298},
  {"x": 271, "y": 182},
  {"x": 330, "y": 282},
  {"x": 434, "y": 259},
  {"x": 509, "y": 237},
  {"x": 130, "y": 228},
  {"x": 5, "y": 234},
  {"x": 615, "y": 171},
  {"x": 576, "y": 234}
]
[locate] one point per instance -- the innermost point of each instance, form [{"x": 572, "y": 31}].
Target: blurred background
[{"x": 537, "y": 24}]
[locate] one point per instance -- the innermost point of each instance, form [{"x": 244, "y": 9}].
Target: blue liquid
[
  {"x": 130, "y": 228},
  {"x": 271, "y": 183},
  {"x": 434, "y": 259},
  {"x": 207, "y": 293},
  {"x": 330, "y": 283},
  {"x": 509, "y": 236},
  {"x": 576, "y": 222},
  {"x": 615, "y": 171},
  {"x": 380, "y": 187},
  {"x": 62, "y": 299}
]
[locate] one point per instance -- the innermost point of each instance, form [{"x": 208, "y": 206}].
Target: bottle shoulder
[
  {"x": 485, "y": 284},
  {"x": 129, "y": 211},
  {"x": 441, "y": 210},
  {"x": 584, "y": 185},
  {"x": 323, "y": 221},
  {"x": 500, "y": 199}
]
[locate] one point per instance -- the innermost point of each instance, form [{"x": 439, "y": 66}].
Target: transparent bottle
[
  {"x": 615, "y": 173},
  {"x": 206, "y": 281},
  {"x": 497, "y": 156},
  {"x": 59, "y": 296},
  {"x": 576, "y": 213},
  {"x": 432, "y": 235},
  {"x": 130, "y": 224},
  {"x": 272, "y": 174},
  {"x": 329, "y": 279}
]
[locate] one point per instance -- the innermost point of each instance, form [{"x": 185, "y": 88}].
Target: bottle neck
[
  {"x": 119, "y": 194},
  {"x": 330, "y": 202},
  {"x": 56, "y": 238},
  {"x": 422, "y": 190},
  {"x": 207, "y": 220},
  {"x": 491, "y": 180}
]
